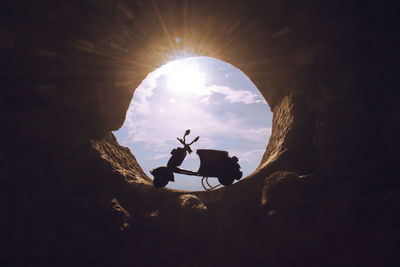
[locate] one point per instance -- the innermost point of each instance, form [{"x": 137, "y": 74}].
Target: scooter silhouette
[{"x": 213, "y": 163}]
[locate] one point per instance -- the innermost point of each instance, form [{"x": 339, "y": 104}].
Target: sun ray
[
  {"x": 81, "y": 46},
  {"x": 100, "y": 53},
  {"x": 185, "y": 18},
  {"x": 162, "y": 23},
  {"x": 234, "y": 38},
  {"x": 199, "y": 50}
]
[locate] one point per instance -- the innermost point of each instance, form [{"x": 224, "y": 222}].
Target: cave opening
[{"x": 212, "y": 98}]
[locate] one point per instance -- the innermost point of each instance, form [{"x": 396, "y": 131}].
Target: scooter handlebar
[
  {"x": 195, "y": 140},
  {"x": 183, "y": 141}
]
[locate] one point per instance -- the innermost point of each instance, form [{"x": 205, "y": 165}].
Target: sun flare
[{"x": 185, "y": 80}]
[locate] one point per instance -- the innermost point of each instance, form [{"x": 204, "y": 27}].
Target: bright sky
[{"x": 213, "y": 99}]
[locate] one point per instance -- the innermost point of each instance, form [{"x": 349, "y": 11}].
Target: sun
[{"x": 185, "y": 79}]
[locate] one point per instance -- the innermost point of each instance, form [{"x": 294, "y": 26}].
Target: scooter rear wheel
[{"x": 225, "y": 180}]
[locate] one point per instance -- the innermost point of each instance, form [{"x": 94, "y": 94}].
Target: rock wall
[{"x": 326, "y": 191}]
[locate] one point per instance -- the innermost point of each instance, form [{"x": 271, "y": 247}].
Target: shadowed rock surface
[{"x": 326, "y": 192}]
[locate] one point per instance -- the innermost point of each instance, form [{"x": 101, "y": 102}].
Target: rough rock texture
[{"x": 325, "y": 194}]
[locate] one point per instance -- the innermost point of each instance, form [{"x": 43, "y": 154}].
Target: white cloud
[
  {"x": 146, "y": 89},
  {"x": 158, "y": 132},
  {"x": 140, "y": 103},
  {"x": 252, "y": 157},
  {"x": 159, "y": 156},
  {"x": 236, "y": 96},
  {"x": 260, "y": 134}
]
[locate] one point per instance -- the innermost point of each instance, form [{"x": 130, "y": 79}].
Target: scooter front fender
[{"x": 164, "y": 173}]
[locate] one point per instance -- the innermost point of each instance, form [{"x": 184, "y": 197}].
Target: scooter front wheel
[
  {"x": 160, "y": 182},
  {"x": 162, "y": 176}
]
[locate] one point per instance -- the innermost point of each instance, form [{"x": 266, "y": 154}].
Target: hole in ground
[{"x": 213, "y": 99}]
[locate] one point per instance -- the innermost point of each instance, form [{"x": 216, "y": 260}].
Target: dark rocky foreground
[{"x": 326, "y": 192}]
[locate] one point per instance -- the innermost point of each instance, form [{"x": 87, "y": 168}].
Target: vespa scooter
[{"x": 213, "y": 163}]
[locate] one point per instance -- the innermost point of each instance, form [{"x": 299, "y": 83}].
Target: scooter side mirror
[{"x": 187, "y": 132}]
